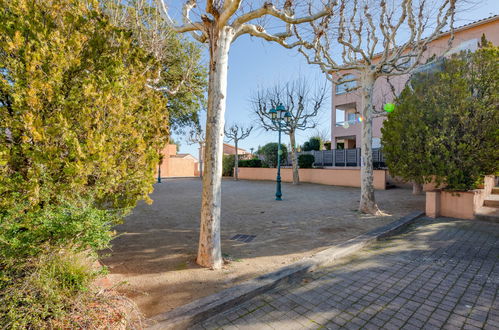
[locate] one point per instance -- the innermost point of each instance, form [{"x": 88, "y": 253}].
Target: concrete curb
[{"x": 201, "y": 309}]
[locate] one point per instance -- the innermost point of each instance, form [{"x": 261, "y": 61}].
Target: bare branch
[
  {"x": 230, "y": 8},
  {"x": 269, "y": 9},
  {"x": 297, "y": 98},
  {"x": 359, "y": 41},
  {"x": 188, "y": 25},
  {"x": 196, "y": 136},
  {"x": 237, "y": 132},
  {"x": 259, "y": 31},
  {"x": 188, "y": 6}
]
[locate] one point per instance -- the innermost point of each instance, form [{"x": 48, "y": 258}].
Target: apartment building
[{"x": 346, "y": 104}]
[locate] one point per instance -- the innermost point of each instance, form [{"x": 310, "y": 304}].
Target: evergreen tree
[
  {"x": 445, "y": 123},
  {"x": 80, "y": 135}
]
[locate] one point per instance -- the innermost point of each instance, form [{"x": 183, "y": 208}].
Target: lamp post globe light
[{"x": 280, "y": 117}]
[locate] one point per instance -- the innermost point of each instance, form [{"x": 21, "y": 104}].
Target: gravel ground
[{"x": 155, "y": 251}]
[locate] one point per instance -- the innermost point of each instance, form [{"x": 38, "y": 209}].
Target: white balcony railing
[{"x": 347, "y": 123}]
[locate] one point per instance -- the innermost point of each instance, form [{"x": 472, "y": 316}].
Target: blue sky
[{"x": 255, "y": 63}]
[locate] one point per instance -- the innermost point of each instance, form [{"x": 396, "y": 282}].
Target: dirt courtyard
[{"x": 157, "y": 245}]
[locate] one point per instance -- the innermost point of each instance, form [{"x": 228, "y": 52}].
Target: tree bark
[
  {"x": 417, "y": 188},
  {"x": 236, "y": 162},
  {"x": 294, "y": 157},
  {"x": 209, "y": 250},
  {"x": 367, "y": 200}
]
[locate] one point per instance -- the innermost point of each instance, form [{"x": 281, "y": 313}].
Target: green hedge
[
  {"x": 306, "y": 161},
  {"x": 255, "y": 162}
]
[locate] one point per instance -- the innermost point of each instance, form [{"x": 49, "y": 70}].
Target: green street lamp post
[{"x": 280, "y": 117}]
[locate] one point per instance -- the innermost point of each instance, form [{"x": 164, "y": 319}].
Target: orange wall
[
  {"x": 173, "y": 167},
  {"x": 181, "y": 167},
  {"x": 460, "y": 205},
  {"x": 334, "y": 177}
]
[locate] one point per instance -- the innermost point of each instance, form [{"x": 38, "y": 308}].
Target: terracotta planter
[{"x": 461, "y": 205}]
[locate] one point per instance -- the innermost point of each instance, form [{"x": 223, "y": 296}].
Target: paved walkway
[{"x": 440, "y": 274}]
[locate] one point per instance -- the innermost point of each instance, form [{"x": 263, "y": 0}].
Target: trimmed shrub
[
  {"x": 269, "y": 154},
  {"x": 255, "y": 162},
  {"x": 306, "y": 161},
  {"x": 314, "y": 143}
]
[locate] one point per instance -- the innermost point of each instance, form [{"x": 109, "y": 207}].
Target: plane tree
[
  {"x": 303, "y": 104},
  {"x": 370, "y": 40},
  {"x": 218, "y": 23},
  {"x": 237, "y": 132}
]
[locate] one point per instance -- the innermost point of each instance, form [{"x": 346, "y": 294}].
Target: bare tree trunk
[
  {"x": 294, "y": 157},
  {"x": 417, "y": 188},
  {"x": 367, "y": 200},
  {"x": 236, "y": 162},
  {"x": 201, "y": 160},
  {"x": 209, "y": 250}
]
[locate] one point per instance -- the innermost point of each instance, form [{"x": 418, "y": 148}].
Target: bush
[
  {"x": 306, "y": 161},
  {"x": 79, "y": 139},
  {"x": 314, "y": 143},
  {"x": 54, "y": 291},
  {"x": 269, "y": 154},
  {"x": 46, "y": 285},
  {"x": 228, "y": 165},
  {"x": 255, "y": 162},
  {"x": 44, "y": 261},
  {"x": 76, "y": 224}
]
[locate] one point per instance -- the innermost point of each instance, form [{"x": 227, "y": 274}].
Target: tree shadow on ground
[{"x": 158, "y": 242}]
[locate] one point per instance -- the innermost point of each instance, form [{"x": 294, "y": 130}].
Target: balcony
[{"x": 348, "y": 123}]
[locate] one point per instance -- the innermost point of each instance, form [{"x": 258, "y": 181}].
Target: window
[
  {"x": 468, "y": 45},
  {"x": 346, "y": 118},
  {"x": 342, "y": 88}
]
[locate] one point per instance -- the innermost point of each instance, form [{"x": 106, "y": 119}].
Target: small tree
[
  {"x": 236, "y": 133},
  {"x": 314, "y": 143},
  {"x": 198, "y": 137},
  {"x": 303, "y": 105},
  {"x": 228, "y": 165},
  {"x": 269, "y": 154},
  {"x": 447, "y": 132},
  {"x": 80, "y": 135}
]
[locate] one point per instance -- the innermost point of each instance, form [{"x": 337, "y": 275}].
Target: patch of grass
[{"x": 182, "y": 266}]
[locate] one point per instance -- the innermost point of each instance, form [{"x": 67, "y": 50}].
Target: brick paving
[{"x": 441, "y": 273}]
